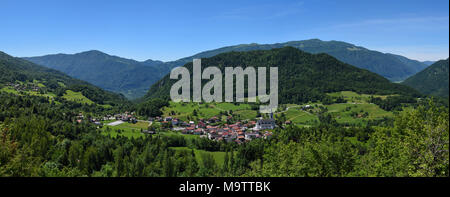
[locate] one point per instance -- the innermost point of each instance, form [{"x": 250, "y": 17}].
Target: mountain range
[
  {"x": 303, "y": 76},
  {"x": 133, "y": 78},
  {"x": 128, "y": 77},
  {"x": 16, "y": 70},
  {"x": 391, "y": 66},
  {"x": 433, "y": 80}
]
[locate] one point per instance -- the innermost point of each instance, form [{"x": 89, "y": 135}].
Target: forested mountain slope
[
  {"x": 391, "y": 66},
  {"x": 433, "y": 80},
  {"x": 126, "y": 76},
  {"x": 22, "y": 75},
  {"x": 302, "y": 76}
]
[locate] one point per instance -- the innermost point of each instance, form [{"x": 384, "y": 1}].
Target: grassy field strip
[
  {"x": 29, "y": 92},
  {"x": 298, "y": 116},
  {"x": 206, "y": 110},
  {"x": 134, "y": 130},
  {"x": 219, "y": 157},
  {"x": 77, "y": 97},
  {"x": 115, "y": 123},
  {"x": 128, "y": 129}
]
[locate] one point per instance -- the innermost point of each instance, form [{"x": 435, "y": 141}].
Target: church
[{"x": 262, "y": 124}]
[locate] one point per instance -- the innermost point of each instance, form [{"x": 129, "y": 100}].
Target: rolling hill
[
  {"x": 24, "y": 74},
  {"x": 433, "y": 80},
  {"x": 303, "y": 76},
  {"x": 133, "y": 78}
]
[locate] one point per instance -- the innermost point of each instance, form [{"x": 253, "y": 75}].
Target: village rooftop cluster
[
  {"x": 24, "y": 87},
  {"x": 209, "y": 128},
  {"x": 212, "y": 128}
]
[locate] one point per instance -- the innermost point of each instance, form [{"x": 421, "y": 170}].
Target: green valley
[{"x": 333, "y": 119}]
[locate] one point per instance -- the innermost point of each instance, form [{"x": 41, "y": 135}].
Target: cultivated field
[{"x": 356, "y": 110}]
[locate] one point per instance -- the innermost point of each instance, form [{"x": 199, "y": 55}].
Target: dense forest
[
  {"x": 17, "y": 70},
  {"x": 303, "y": 76},
  {"x": 41, "y": 139},
  {"x": 433, "y": 80}
]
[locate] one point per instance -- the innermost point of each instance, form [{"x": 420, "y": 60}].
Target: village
[
  {"x": 23, "y": 86},
  {"x": 212, "y": 128}
]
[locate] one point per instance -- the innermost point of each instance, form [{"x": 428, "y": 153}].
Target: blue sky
[{"x": 169, "y": 30}]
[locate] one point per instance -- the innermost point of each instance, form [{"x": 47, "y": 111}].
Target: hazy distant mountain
[
  {"x": 393, "y": 67},
  {"x": 433, "y": 80},
  {"x": 303, "y": 76},
  {"x": 153, "y": 62},
  {"x": 126, "y": 76},
  {"x": 428, "y": 62}
]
